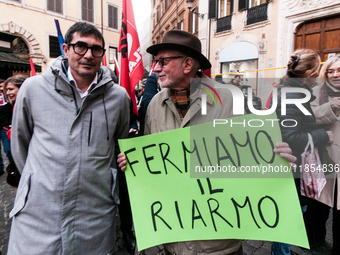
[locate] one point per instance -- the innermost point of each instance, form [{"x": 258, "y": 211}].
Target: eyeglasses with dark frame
[
  {"x": 164, "y": 61},
  {"x": 81, "y": 48},
  {"x": 332, "y": 72}
]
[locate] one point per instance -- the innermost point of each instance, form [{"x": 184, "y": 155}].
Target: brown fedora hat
[{"x": 182, "y": 41}]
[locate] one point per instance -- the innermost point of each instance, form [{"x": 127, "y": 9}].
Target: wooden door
[{"x": 322, "y": 35}]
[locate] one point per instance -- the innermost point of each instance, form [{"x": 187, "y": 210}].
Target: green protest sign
[{"x": 170, "y": 206}]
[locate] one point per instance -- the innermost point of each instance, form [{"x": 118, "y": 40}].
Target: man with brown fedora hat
[{"x": 178, "y": 61}]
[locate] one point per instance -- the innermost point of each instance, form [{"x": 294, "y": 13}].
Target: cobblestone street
[{"x": 7, "y": 195}]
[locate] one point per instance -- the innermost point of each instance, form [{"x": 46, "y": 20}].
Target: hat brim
[{"x": 205, "y": 64}]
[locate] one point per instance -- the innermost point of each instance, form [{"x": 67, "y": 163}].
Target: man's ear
[
  {"x": 188, "y": 65},
  {"x": 65, "y": 49}
]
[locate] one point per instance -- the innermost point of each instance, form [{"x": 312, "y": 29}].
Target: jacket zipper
[{"x": 90, "y": 129}]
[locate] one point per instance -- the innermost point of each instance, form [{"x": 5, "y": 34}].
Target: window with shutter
[
  {"x": 224, "y": 15},
  {"x": 242, "y": 5},
  {"x": 59, "y": 6},
  {"x": 174, "y": 24},
  {"x": 55, "y": 6},
  {"x": 54, "y": 47},
  {"x": 253, "y": 3},
  {"x": 194, "y": 21},
  {"x": 212, "y": 9},
  {"x": 87, "y": 10},
  {"x": 181, "y": 25},
  {"x": 113, "y": 17},
  {"x": 257, "y": 13},
  {"x": 115, "y": 14},
  {"x": 158, "y": 14},
  {"x": 90, "y": 10},
  {"x": 225, "y": 8},
  {"x": 84, "y": 8}
]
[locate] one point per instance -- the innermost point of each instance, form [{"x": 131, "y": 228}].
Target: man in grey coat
[{"x": 64, "y": 136}]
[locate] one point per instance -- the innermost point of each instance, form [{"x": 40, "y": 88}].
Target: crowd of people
[{"x": 67, "y": 121}]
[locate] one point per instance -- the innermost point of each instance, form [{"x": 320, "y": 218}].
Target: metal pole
[{"x": 102, "y": 17}]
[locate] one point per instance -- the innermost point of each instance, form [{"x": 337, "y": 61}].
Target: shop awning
[
  {"x": 7, "y": 37},
  {"x": 12, "y": 61},
  {"x": 239, "y": 51}
]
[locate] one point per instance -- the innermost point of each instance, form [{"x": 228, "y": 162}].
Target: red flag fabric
[
  {"x": 207, "y": 72},
  {"x": 32, "y": 68},
  {"x": 269, "y": 101},
  {"x": 131, "y": 69},
  {"x": 104, "y": 60}
]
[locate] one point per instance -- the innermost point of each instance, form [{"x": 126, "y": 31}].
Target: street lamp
[{"x": 189, "y": 4}]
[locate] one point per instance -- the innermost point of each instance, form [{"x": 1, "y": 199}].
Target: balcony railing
[
  {"x": 223, "y": 24},
  {"x": 257, "y": 14}
]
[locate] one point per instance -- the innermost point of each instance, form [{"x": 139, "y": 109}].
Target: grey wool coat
[{"x": 65, "y": 149}]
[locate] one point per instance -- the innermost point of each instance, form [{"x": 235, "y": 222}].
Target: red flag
[
  {"x": 104, "y": 60},
  {"x": 32, "y": 68},
  {"x": 131, "y": 58},
  {"x": 269, "y": 101},
  {"x": 117, "y": 70},
  {"x": 207, "y": 72}
]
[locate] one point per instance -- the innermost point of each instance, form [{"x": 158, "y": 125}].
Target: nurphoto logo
[{"x": 238, "y": 99}]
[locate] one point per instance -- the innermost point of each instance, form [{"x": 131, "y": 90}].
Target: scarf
[
  {"x": 182, "y": 101},
  {"x": 326, "y": 91},
  {"x": 182, "y": 98}
]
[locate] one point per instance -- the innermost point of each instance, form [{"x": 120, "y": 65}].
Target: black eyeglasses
[
  {"x": 82, "y": 48},
  {"x": 164, "y": 61}
]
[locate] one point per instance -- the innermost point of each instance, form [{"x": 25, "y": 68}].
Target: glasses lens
[
  {"x": 80, "y": 48},
  {"x": 156, "y": 61},
  {"x": 159, "y": 61},
  {"x": 97, "y": 51}
]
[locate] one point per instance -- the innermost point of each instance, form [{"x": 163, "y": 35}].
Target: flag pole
[
  {"x": 60, "y": 37},
  {"x": 130, "y": 52}
]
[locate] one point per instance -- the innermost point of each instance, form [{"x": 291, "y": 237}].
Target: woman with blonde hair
[
  {"x": 326, "y": 108},
  {"x": 302, "y": 71}
]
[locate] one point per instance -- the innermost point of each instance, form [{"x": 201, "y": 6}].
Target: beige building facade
[
  {"x": 32, "y": 22},
  {"x": 247, "y": 35},
  {"x": 241, "y": 36}
]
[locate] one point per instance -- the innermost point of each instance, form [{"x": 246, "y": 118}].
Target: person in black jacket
[
  {"x": 151, "y": 89},
  {"x": 302, "y": 71},
  {"x": 5, "y": 120}
]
